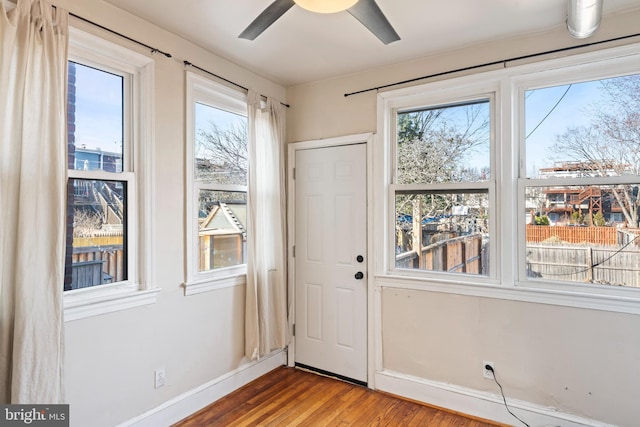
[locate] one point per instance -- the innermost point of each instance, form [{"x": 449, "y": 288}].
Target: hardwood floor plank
[
  {"x": 351, "y": 403},
  {"x": 405, "y": 412},
  {"x": 292, "y": 397},
  {"x": 230, "y": 409},
  {"x": 294, "y": 407},
  {"x": 333, "y": 406},
  {"x": 307, "y": 406},
  {"x": 269, "y": 399}
]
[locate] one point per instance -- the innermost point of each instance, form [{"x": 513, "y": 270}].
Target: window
[
  {"x": 442, "y": 187},
  {"x": 520, "y": 183},
  {"x": 97, "y": 206},
  {"x": 583, "y": 168},
  {"x": 217, "y": 166},
  {"x": 109, "y": 253}
]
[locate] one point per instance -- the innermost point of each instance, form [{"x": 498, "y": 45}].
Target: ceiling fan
[{"x": 366, "y": 11}]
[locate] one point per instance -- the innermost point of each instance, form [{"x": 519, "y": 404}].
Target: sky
[
  {"x": 549, "y": 112},
  {"x": 99, "y": 110},
  {"x": 205, "y": 115}
]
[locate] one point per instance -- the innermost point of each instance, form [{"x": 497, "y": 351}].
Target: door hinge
[
  {"x": 294, "y": 329},
  {"x": 294, "y": 251},
  {"x": 294, "y": 173}
]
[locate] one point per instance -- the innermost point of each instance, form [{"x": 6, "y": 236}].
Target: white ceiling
[{"x": 303, "y": 46}]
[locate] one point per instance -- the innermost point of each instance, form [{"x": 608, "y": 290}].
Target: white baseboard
[
  {"x": 192, "y": 401},
  {"x": 477, "y": 403}
]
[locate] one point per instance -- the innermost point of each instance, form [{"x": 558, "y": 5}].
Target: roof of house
[{"x": 226, "y": 218}]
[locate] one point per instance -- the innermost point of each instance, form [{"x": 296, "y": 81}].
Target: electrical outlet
[
  {"x": 160, "y": 378},
  {"x": 486, "y": 372}
]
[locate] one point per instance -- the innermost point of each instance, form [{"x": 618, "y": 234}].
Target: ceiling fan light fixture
[
  {"x": 583, "y": 17},
  {"x": 325, "y": 6}
]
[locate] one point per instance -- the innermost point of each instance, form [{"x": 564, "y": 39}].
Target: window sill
[
  {"x": 97, "y": 301},
  {"x": 207, "y": 285},
  {"x": 615, "y": 302}
]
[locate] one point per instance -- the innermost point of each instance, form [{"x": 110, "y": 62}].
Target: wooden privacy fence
[
  {"x": 627, "y": 236},
  {"x": 86, "y": 261},
  {"x": 569, "y": 234},
  {"x": 101, "y": 239},
  {"x": 459, "y": 255},
  {"x": 85, "y": 274},
  {"x": 611, "y": 265}
]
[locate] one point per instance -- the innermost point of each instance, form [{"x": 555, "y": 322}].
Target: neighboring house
[
  {"x": 96, "y": 159},
  {"x": 558, "y": 203},
  {"x": 102, "y": 198},
  {"x": 223, "y": 228}
]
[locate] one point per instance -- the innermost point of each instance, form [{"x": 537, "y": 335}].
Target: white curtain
[
  {"x": 266, "y": 299},
  {"x": 33, "y": 75}
]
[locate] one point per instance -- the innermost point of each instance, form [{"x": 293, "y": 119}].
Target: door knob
[{"x": 359, "y": 275}]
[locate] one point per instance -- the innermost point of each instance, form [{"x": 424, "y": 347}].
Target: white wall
[
  {"x": 110, "y": 359},
  {"x": 582, "y": 362}
]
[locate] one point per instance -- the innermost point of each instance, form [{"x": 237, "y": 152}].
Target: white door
[{"x": 330, "y": 260}]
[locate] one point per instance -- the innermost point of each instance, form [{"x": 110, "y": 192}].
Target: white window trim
[
  {"x": 512, "y": 83},
  {"x": 140, "y": 288},
  {"x": 201, "y": 89}
]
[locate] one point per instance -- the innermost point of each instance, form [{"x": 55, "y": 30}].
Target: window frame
[
  {"x": 568, "y": 74},
  {"x": 208, "y": 92},
  {"x": 440, "y": 98},
  {"x": 509, "y": 169},
  {"x": 139, "y": 287}
]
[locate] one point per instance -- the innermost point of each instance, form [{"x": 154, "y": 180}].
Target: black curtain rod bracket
[{"x": 504, "y": 62}]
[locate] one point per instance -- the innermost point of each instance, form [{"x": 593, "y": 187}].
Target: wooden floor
[{"x": 289, "y": 397}]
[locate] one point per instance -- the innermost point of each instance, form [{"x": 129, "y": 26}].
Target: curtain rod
[
  {"x": 488, "y": 64},
  {"x": 151, "y": 48},
  {"x": 189, "y": 64}
]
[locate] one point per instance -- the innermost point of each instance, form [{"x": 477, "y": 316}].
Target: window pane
[
  {"x": 95, "y": 119},
  {"x": 220, "y": 146},
  {"x": 584, "y": 129},
  {"x": 447, "y": 144},
  {"x": 98, "y": 213},
  {"x": 584, "y": 234},
  {"x": 450, "y": 229},
  {"x": 222, "y": 235}
]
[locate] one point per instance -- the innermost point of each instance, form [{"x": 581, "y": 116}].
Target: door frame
[{"x": 362, "y": 138}]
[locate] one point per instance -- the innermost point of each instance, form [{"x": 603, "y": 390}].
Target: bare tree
[
  {"x": 610, "y": 144},
  {"x": 414, "y": 125},
  {"x": 221, "y": 154},
  {"x": 222, "y": 157},
  {"x": 433, "y": 146},
  {"x": 86, "y": 223}
]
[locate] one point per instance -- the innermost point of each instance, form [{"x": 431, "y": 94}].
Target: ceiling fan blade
[
  {"x": 369, "y": 14},
  {"x": 268, "y": 16}
]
